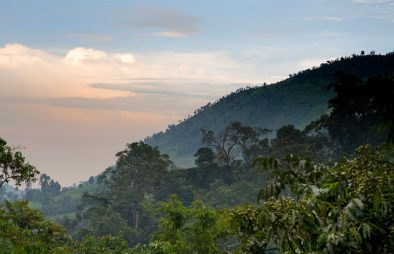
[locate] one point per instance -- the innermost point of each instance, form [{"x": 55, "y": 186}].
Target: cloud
[
  {"x": 70, "y": 75},
  {"x": 149, "y": 103},
  {"x": 372, "y": 1},
  {"x": 125, "y": 58},
  {"x": 170, "y": 88},
  {"x": 77, "y": 55},
  {"x": 74, "y": 111},
  {"x": 31, "y": 72},
  {"x": 163, "y": 22},
  {"x": 81, "y": 54},
  {"x": 377, "y": 9},
  {"x": 170, "y": 34},
  {"x": 333, "y": 18},
  {"x": 121, "y": 81}
]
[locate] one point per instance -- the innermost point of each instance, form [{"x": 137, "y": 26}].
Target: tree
[
  {"x": 29, "y": 229},
  {"x": 13, "y": 166},
  {"x": 381, "y": 103},
  {"x": 226, "y": 141},
  {"x": 194, "y": 229},
  {"x": 204, "y": 156},
  {"x": 54, "y": 187},
  {"x": 44, "y": 182},
  {"x": 102, "y": 245},
  {"x": 361, "y": 112},
  {"x": 290, "y": 140},
  {"x": 140, "y": 171},
  {"x": 49, "y": 185},
  {"x": 128, "y": 194},
  {"x": 259, "y": 147}
]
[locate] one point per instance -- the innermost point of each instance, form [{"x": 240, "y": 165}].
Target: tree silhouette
[{"x": 13, "y": 166}]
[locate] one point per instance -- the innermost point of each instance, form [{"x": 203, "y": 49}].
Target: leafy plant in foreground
[{"x": 346, "y": 209}]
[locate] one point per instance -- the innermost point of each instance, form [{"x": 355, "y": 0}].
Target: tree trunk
[{"x": 136, "y": 216}]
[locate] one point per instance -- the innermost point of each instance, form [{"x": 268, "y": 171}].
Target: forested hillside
[
  {"x": 326, "y": 188},
  {"x": 297, "y": 100}
]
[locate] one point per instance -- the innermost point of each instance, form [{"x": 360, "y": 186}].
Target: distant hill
[{"x": 297, "y": 100}]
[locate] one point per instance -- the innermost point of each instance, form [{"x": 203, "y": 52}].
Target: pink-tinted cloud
[{"x": 73, "y": 112}]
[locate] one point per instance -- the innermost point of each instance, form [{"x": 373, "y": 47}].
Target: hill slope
[{"x": 297, "y": 100}]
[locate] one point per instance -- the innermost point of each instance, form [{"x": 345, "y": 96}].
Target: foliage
[
  {"x": 155, "y": 247},
  {"x": 28, "y": 230},
  {"x": 296, "y": 100},
  {"x": 220, "y": 195},
  {"x": 125, "y": 199},
  {"x": 232, "y": 137},
  {"x": 291, "y": 141},
  {"x": 48, "y": 185},
  {"x": 227, "y": 140},
  {"x": 104, "y": 245},
  {"x": 13, "y": 166},
  {"x": 139, "y": 170},
  {"x": 304, "y": 206},
  {"x": 361, "y": 112},
  {"x": 204, "y": 157},
  {"x": 190, "y": 230},
  {"x": 125, "y": 204},
  {"x": 344, "y": 208}
]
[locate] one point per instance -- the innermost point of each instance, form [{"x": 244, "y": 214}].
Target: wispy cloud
[
  {"x": 170, "y": 88},
  {"x": 170, "y": 34},
  {"x": 163, "y": 22},
  {"x": 376, "y": 9},
  {"x": 69, "y": 75},
  {"x": 372, "y": 1},
  {"x": 132, "y": 96},
  {"x": 167, "y": 103},
  {"x": 333, "y": 18}
]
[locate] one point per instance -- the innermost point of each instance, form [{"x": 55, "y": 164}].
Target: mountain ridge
[{"x": 296, "y": 100}]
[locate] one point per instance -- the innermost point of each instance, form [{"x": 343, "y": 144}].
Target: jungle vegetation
[{"x": 325, "y": 187}]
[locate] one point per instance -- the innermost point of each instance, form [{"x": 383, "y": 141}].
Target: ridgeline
[{"x": 296, "y": 100}]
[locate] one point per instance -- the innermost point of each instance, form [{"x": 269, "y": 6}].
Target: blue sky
[
  {"x": 208, "y": 25},
  {"x": 79, "y": 79}
]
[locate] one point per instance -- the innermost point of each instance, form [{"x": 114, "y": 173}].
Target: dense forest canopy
[{"x": 323, "y": 185}]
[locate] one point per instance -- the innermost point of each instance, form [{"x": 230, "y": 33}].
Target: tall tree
[
  {"x": 140, "y": 171},
  {"x": 227, "y": 140},
  {"x": 44, "y": 182},
  {"x": 140, "y": 168},
  {"x": 54, "y": 187},
  {"x": 361, "y": 112}
]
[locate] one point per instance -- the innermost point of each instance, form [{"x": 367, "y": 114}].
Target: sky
[{"x": 81, "y": 79}]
